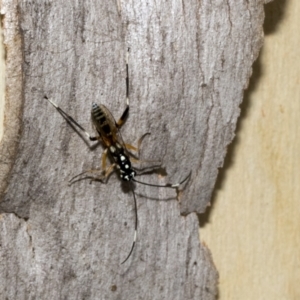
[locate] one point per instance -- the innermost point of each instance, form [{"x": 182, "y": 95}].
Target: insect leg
[
  {"x": 137, "y": 149},
  {"x": 103, "y": 159},
  {"x": 140, "y": 142},
  {"x": 130, "y": 147},
  {"x": 102, "y": 178},
  {"x": 69, "y": 119},
  {"x": 106, "y": 171},
  {"x": 124, "y": 116},
  {"x": 135, "y": 158}
]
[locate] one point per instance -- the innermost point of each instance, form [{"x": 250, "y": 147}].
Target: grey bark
[{"x": 189, "y": 63}]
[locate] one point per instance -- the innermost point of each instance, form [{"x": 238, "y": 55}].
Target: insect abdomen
[{"x": 103, "y": 121}]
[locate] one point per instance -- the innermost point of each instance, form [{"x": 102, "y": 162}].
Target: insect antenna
[
  {"x": 135, "y": 227},
  {"x": 167, "y": 185}
]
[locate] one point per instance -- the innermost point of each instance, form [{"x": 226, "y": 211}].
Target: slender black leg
[
  {"x": 68, "y": 118},
  {"x": 124, "y": 116}
]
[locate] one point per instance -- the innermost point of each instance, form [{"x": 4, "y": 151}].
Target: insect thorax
[{"x": 122, "y": 161}]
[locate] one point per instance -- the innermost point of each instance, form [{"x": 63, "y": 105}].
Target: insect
[{"x": 108, "y": 132}]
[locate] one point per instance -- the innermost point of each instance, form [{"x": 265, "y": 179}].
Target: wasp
[{"x": 108, "y": 132}]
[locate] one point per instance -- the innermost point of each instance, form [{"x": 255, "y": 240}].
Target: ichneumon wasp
[{"x": 108, "y": 133}]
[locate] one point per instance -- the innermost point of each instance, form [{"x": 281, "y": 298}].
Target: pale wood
[
  {"x": 254, "y": 224},
  {"x": 189, "y": 63},
  {"x": 11, "y": 93},
  {"x": 2, "y": 83}
]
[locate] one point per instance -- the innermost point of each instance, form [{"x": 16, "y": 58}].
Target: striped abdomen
[{"x": 104, "y": 123}]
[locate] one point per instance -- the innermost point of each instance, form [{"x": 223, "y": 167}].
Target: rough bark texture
[{"x": 189, "y": 63}]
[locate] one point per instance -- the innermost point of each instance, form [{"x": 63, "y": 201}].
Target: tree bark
[{"x": 189, "y": 63}]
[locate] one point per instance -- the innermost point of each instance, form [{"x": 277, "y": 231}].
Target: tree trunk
[{"x": 189, "y": 63}]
